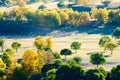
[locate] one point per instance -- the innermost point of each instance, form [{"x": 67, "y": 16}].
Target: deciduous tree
[
  {"x": 65, "y": 52},
  {"x": 110, "y": 46},
  {"x": 103, "y": 40},
  {"x": 116, "y": 33},
  {"x": 7, "y": 59},
  {"x": 75, "y": 45},
  {"x": 16, "y": 45},
  {"x": 30, "y": 62},
  {"x": 97, "y": 59}
]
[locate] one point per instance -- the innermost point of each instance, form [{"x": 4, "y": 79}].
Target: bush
[
  {"x": 77, "y": 72},
  {"x": 47, "y": 67},
  {"x": 77, "y": 59},
  {"x": 115, "y": 73},
  {"x": 116, "y": 33},
  {"x": 57, "y": 55},
  {"x": 19, "y": 74},
  {"x": 71, "y": 62},
  {"x": 61, "y": 5},
  {"x": 94, "y": 74},
  {"x": 63, "y": 72},
  {"x": 50, "y": 75},
  {"x": 57, "y": 63},
  {"x": 2, "y": 73}
]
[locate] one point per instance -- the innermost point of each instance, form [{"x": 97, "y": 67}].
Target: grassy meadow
[{"x": 89, "y": 46}]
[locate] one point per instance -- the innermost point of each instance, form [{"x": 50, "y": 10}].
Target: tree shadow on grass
[
  {"x": 28, "y": 31},
  {"x": 100, "y": 29}
]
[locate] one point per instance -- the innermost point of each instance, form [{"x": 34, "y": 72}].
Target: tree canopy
[
  {"x": 116, "y": 33},
  {"x": 65, "y": 52},
  {"x": 75, "y": 45},
  {"x": 98, "y": 59}
]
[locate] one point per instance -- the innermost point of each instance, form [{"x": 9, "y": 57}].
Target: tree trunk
[
  {"x": 2, "y": 48},
  {"x": 76, "y": 51},
  {"x": 97, "y": 65},
  {"x": 16, "y": 50},
  {"x": 65, "y": 58},
  {"x": 111, "y": 52}
]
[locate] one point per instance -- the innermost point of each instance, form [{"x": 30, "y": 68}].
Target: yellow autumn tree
[
  {"x": 64, "y": 17},
  {"x": 22, "y": 3},
  {"x": 39, "y": 43},
  {"x": 49, "y": 42},
  {"x": 2, "y": 65},
  {"x": 2, "y": 70},
  {"x": 82, "y": 2},
  {"x": 30, "y": 62},
  {"x": 102, "y": 15},
  {"x": 84, "y": 18},
  {"x": 45, "y": 57},
  {"x": 93, "y": 12}
]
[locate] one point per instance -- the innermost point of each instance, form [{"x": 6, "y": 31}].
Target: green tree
[
  {"x": 42, "y": 7},
  {"x": 63, "y": 72},
  {"x": 103, "y": 40},
  {"x": 30, "y": 15},
  {"x": 56, "y": 55},
  {"x": 19, "y": 74},
  {"x": 66, "y": 72},
  {"x": 115, "y": 73},
  {"x": 114, "y": 17},
  {"x": 10, "y": 51},
  {"x": 57, "y": 63},
  {"x": 97, "y": 59},
  {"x": 71, "y": 62},
  {"x": 75, "y": 45},
  {"x": 111, "y": 46},
  {"x": 16, "y": 45},
  {"x": 65, "y": 52},
  {"x": 106, "y": 2},
  {"x": 116, "y": 33},
  {"x": 7, "y": 59},
  {"x": 77, "y": 72},
  {"x": 51, "y": 74},
  {"x": 94, "y": 74},
  {"x": 77, "y": 59},
  {"x": 46, "y": 68},
  {"x": 1, "y": 44},
  {"x": 2, "y": 73}
]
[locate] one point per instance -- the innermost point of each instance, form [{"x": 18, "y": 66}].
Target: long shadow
[
  {"x": 28, "y": 31},
  {"x": 99, "y": 29},
  {"x": 23, "y": 31}
]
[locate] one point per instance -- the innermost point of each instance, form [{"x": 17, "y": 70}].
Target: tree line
[
  {"x": 45, "y": 64},
  {"x": 59, "y": 17}
]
